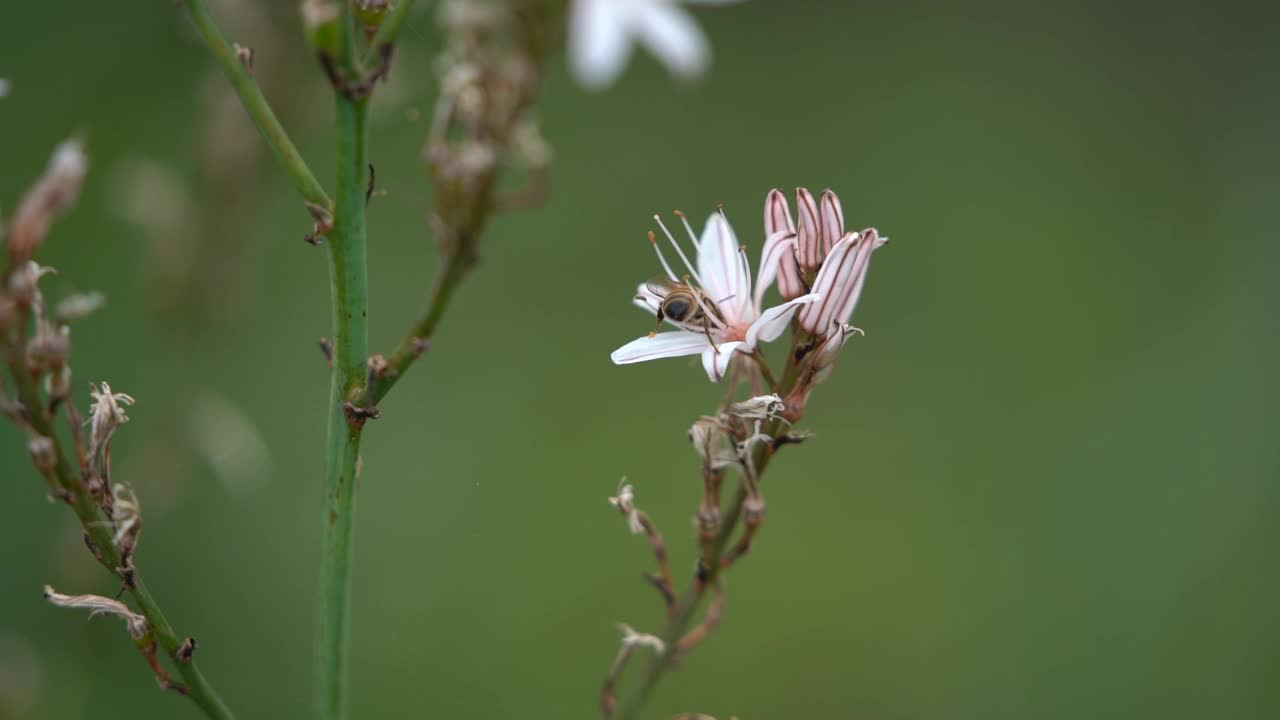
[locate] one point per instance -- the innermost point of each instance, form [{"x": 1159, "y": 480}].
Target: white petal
[
  {"x": 715, "y": 360},
  {"x": 776, "y": 246},
  {"x": 774, "y": 320},
  {"x": 599, "y": 46},
  {"x": 672, "y": 36},
  {"x": 662, "y": 345},
  {"x": 723, "y": 274}
]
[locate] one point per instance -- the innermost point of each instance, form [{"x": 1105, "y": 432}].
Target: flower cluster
[{"x": 820, "y": 270}]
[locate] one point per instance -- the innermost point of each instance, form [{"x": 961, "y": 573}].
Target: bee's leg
[
  {"x": 706, "y": 327},
  {"x": 657, "y": 327}
]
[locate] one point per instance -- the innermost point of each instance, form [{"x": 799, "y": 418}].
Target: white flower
[
  {"x": 728, "y": 317},
  {"x": 601, "y": 33}
]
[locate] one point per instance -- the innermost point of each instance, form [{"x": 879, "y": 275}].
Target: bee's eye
[{"x": 676, "y": 309}]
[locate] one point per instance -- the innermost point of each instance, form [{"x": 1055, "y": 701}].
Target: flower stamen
[
  {"x": 671, "y": 274},
  {"x": 692, "y": 270}
]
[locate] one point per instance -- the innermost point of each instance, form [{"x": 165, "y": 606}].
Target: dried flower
[
  {"x": 762, "y": 407},
  {"x": 105, "y": 415},
  {"x": 625, "y": 502},
  {"x": 719, "y": 315},
  {"x": 710, "y": 439},
  {"x": 824, "y": 359},
  {"x": 53, "y": 194},
  {"x": 126, "y": 514},
  {"x": 633, "y": 639},
  {"x": 98, "y": 605},
  {"x": 601, "y": 33}
]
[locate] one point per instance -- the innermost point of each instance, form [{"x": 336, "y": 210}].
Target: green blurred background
[{"x": 1044, "y": 484}]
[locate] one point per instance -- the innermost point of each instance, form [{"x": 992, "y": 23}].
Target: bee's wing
[{"x": 660, "y": 286}]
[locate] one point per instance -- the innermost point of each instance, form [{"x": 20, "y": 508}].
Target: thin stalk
[
  {"x": 349, "y": 287},
  {"x": 256, "y": 104},
  {"x": 414, "y": 343},
  {"x": 100, "y": 533}
]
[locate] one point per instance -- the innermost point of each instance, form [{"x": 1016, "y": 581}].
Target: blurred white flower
[
  {"x": 601, "y": 33},
  {"x": 713, "y": 305}
]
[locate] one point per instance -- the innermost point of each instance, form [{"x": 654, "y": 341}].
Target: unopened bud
[
  {"x": 58, "y": 382},
  {"x": 24, "y": 283},
  {"x": 6, "y": 313},
  {"x": 372, "y": 12},
  {"x": 321, "y": 20},
  {"x": 50, "y": 348},
  {"x": 43, "y": 454},
  {"x": 53, "y": 194}
]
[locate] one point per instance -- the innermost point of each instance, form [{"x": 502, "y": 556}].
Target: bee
[{"x": 684, "y": 304}]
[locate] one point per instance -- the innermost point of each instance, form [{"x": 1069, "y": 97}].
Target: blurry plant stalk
[
  {"x": 36, "y": 346},
  {"x": 745, "y": 435},
  {"x": 483, "y": 125}
]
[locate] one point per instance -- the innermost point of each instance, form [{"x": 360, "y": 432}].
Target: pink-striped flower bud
[
  {"x": 808, "y": 232},
  {"x": 839, "y": 282},
  {"x": 780, "y": 246}
]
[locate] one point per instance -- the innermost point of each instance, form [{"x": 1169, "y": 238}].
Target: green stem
[
  {"x": 350, "y": 295},
  {"x": 691, "y": 600},
  {"x": 100, "y": 533},
  {"x": 389, "y": 30},
  {"x": 256, "y": 104},
  {"x": 414, "y": 343}
]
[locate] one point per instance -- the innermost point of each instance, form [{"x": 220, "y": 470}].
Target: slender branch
[
  {"x": 711, "y": 568},
  {"x": 389, "y": 30},
  {"x": 349, "y": 288},
  {"x": 419, "y": 336},
  {"x": 256, "y": 104},
  {"x": 99, "y": 534}
]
